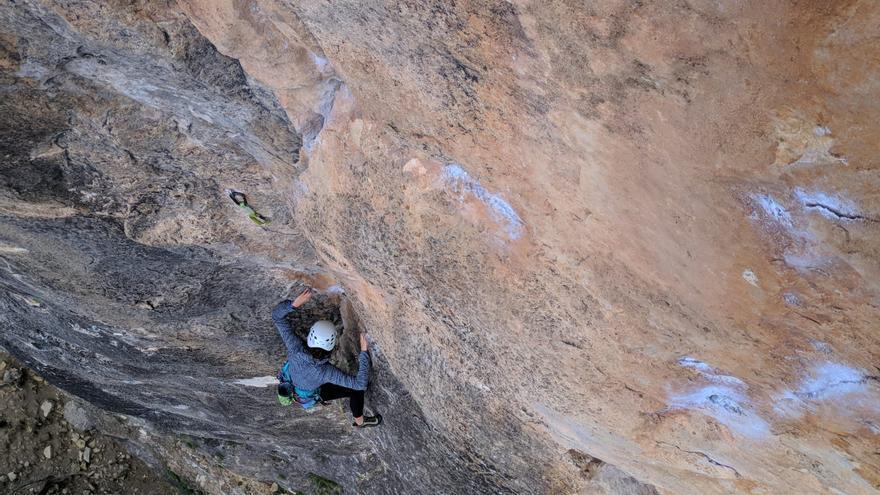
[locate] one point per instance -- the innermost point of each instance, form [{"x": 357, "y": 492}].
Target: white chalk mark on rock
[
  {"x": 835, "y": 385},
  {"x": 6, "y": 249},
  {"x": 749, "y": 276},
  {"x": 319, "y": 61},
  {"x": 820, "y": 346},
  {"x": 689, "y": 362},
  {"x": 335, "y": 290},
  {"x": 727, "y": 405},
  {"x": 831, "y": 381},
  {"x": 709, "y": 372},
  {"x": 724, "y": 400},
  {"x": 773, "y": 209},
  {"x": 258, "y": 381},
  {"x": 500, "y": 210}
]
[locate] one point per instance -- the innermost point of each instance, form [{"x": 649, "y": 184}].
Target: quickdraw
[{"x": 241, "y": 201}]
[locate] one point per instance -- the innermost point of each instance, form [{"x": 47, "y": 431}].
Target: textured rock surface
[
  {"x": 46, "y": 453},
  {"x": 631, "y": 234}
]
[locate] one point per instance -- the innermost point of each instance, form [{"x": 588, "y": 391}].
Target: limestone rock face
[{"x": 606, "y": 247}]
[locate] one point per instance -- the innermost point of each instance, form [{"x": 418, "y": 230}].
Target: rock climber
[{"x": 308, "y": 378}]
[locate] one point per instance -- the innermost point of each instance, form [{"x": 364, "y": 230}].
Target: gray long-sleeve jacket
[{"x": 307, "y": 372}]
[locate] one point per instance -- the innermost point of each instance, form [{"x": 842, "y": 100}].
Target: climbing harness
[
  {"x": 241, "y": 200},
  {"x": 305, "y": 398}
]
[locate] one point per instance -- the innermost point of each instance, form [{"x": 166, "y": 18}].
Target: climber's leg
[{"x": 330, "y": 391}]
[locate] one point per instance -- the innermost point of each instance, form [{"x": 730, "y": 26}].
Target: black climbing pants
[{"x": 330, "y": 391}]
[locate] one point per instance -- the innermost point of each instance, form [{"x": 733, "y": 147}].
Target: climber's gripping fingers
[
  {"x": 365, "y": 346},
  {"x": 302, "y": 298}
]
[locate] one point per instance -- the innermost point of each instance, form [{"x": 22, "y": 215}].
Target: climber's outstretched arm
[
  {"x": 331, "y": 374},
  {"x": 279, "y": 317}
]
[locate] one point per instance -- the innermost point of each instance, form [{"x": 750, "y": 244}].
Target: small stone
[
  {"x": 47, "y": 452},
  {"x": 274, "y": 488},
  {"x": 12, "y": 476},
  {"x": 11, "y": 376},
  {"x": 76, "y": 416},
  {"x": 80, "y": 443},
  {"x": 2, "y": 365},
  {"x": 46, "y": 408},
  {"x": 2, "y": 478},
  {"x": 87, "y": 455}
]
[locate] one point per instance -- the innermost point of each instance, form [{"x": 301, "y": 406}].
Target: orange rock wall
[{"x": 646, "y": 231}]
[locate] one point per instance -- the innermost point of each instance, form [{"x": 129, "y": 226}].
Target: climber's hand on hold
[
  {"x": 302, "y": 298},
  {"x": 365, "y": 346}
]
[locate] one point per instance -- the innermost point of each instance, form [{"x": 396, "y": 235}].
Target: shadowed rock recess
[{"x": 603, "y": 247}]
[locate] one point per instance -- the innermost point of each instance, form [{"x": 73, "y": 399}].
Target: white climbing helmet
[{"x": 323, "y": 335}]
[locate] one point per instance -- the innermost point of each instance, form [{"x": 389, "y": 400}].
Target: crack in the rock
[
  {"x": 816, "y": 393},
  {"x": 840, "y": 214},
  {"x": 708, "y": 458},
  {"x": 131, "y": 156},
  {"x": 817, "y": 322},
  {"x": 637, "y": 392}
]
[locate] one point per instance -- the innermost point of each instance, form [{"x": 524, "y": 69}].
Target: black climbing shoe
[{"x": 369, "y": 421}]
